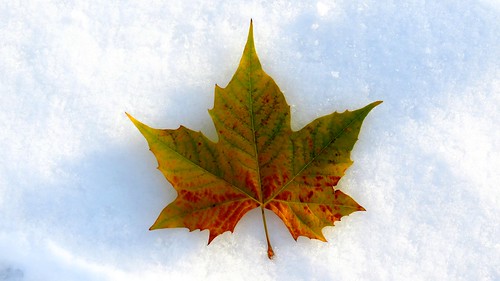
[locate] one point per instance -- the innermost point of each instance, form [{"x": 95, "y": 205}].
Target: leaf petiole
[{"x": 270, "y": 252}]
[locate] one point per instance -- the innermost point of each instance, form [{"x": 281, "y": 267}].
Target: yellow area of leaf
[{"x": 258, "y": 160}]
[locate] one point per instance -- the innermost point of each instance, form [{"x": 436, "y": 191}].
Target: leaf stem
[{"x": 270, "y": 252}]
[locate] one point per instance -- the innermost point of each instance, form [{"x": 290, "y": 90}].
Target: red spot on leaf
[
  {"x": 189, "y": 196},
  {"x": 285, "y": 195},
  {"x": 333, "y": 180},
  {"x": 249, "y": 181},
  {"x": 310, "y": 194},
  {"x": 175, "y": 180},
  {"x": 286, "y": 176},
  {"x": 322, "y": 208},
  {"x": 325, "y": 208},
  {"x": 310, "y": 143}
]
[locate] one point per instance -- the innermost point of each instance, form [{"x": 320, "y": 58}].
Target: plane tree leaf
[{"x": 258, "y": 160}]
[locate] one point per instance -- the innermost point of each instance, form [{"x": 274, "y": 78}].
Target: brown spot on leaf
[
  {"x": 304, "y": 180},
  {"x": 266, "y": 99},
  {"x": 307, "y": 197}
]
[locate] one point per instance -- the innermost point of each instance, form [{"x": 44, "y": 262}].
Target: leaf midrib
[{"x": 252, "y": 117}]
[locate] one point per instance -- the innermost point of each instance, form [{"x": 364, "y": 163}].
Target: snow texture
[{"x": 79, "y": 188}]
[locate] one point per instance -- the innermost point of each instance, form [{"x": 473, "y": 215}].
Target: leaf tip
[
  {"x": 142, "y": 127},
  {"x": 250, "y": 31},
  {"x": 131, "y": 118},
  {"x": 374, "y": 104},
  {"x": 211, "y": 237}
]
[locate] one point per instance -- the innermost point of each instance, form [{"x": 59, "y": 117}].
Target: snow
[{"x": 79, "y": 188}]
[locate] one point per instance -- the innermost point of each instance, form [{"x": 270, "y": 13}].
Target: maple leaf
[{"x": 258, "y": 160}]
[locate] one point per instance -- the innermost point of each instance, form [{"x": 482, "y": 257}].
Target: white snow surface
[{"x": 79, "y": 187}]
